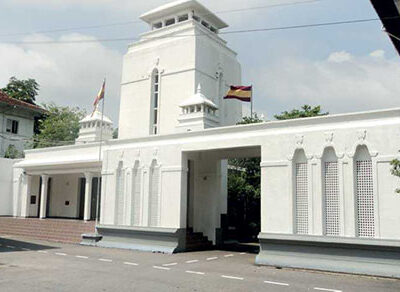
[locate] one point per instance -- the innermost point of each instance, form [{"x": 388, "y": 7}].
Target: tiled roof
[{"x": 5, "y": 99}]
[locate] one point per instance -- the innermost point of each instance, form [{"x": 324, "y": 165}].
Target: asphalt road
[{"x": 31, "y": 265}]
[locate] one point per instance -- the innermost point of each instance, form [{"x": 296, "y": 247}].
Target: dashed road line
[
  {"x": 242, "y": 253},
  {"x": 60, "y": 253},
  {"x": 232, "y": 277},
  {"x": 105, "y": 260},
  {"x": 326, "y": 289},
  {"x": 171, "y": 264},
  {"x": 192, "y": 261},
  {"x": 130, "y": 264},
  {"x": 161, "y": 268},
  {"x": 42, "y": 251},
  {"x": 228, "y": 255},
  {"x": 81, "y": 257},
  {"x": 276, "y": 283},
  {"x": 212, "y": 259},
  {"x": 196, "y": 273}
]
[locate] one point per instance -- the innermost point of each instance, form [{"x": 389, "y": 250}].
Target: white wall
[
  {"x": 64, "y": 188},
  {"x": 6, "y": 187},
  {"x": 183, "y": 63},
  {"x": 25, "y": 130}
]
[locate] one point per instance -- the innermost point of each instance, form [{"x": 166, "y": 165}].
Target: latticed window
[
  {"x": 136, "y": 197},
  {"x": 365, "y": 198},
  {"x": 120, "y": 195},
  {"x": 154, "y": 116},
  {"x": 154, "y": 196},
  {"x": 332, "y": 199},
  {"x": 301, "y": 197}
]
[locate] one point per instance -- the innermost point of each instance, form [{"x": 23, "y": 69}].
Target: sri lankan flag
[
  {"x": 101, "y": 93},
  {"x": 243, "y": 93}
]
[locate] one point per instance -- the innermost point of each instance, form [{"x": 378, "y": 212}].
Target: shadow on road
[{"x": 18, "y": 245}]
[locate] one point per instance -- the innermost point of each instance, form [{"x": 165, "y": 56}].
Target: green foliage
[
  {"x": 115, "y": 133},
  {"x": 13, "y": 153},
  {"x": 306, "y": 111},
  {"x": 59, "y": 127},
  {"x": 24, "y": 90},
  {"x": 244, "y": 192},
  {"x": 396, "y": 170}
]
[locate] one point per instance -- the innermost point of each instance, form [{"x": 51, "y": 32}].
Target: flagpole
[
  {"x": 251, "y": 106},
  {"x": 100, "y": 148}
]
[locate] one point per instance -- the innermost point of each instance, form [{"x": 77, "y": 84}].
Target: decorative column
[
  {"x": 88, "y": 195},
  {"x": 43, "y": 196},
  {"x": 27, "y": 182}
]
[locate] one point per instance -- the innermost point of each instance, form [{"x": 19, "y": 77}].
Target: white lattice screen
[
  {"x": 120, "y": 196},
  {"x": 154, "y": 199},
  {"x": 332, "y": 199},
  {"x": 301, "y": 198},
  {"x": 365, "y": 199},
  {"x": 136, "y": 200}
]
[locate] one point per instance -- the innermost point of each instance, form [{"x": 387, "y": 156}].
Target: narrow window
[
  {"x": 155, "y": 103},
  {"x": 205, "y": 24},
  {"x": 183, "y": 18},
  {"x": 331, "y": 193},
  {"x": 196, "y": 18},
  {"x": 136, "y": 196},
  {"x": 170, "y": 21},
  {"x": 120, "y": 194},
  {"x": 157, "y": 25},
  {"x": 301, "y": 192},
  {"x": 12, "y": 126},
  {"x": 154, "y": 196},
  {"x": 364, "y": 193}
]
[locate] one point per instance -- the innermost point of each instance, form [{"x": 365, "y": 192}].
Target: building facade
[
  {"x": 328, "y": 199},
  {"x": 17, "y": 121}
]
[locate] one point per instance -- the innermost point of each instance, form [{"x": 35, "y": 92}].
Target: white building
[
  {"x": 17, "y": 120},
  {"x": 328, "y": 198}
]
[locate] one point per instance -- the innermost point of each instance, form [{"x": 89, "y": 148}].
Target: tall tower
[{"x": 163, "y": 69}]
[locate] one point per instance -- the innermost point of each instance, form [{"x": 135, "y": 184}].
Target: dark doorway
[
  {"x": 48, "y": 197},
  {"x": 96, "y": 193},
  {"x": 82, "y": 183}
]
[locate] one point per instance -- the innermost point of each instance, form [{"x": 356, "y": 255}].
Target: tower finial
[{"x": 199, "y": 88}]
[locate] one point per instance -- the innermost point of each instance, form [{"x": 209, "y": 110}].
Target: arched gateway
[{"x": 327, "y": 196}]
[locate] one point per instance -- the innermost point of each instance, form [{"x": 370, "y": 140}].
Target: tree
[
  {"x": 13, "y": 153},
  {"x": 59, "y": 127},
  {"x": 115, "y": 133},
  {"x": 306, "y": 111},
  {"x": 396, "y": 170},
  {"x": 244, "y": 192},
  {"x": 24, "y": 90}
]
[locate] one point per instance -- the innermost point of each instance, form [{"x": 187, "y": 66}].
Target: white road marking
[
  {"x": 161, "y": 268},
  {"x": 276, "y": 283},
  {"x": 81, "y": 257},
  {"x": 196, "y": 273},
  {"x": 42, "y": 251},
  {"x": 171, "y": 264},
  {"x": 232, "y": 277},
  {"x": 60, "y": 254},
  {"x": 242, "y": 253},
  {"x": 211, "y": 259},
  {"x": 325, "y": 289},
  {"x": 228, "y": 255},
  {"x": 10, "y": 246},
  {"x": 130, "y": 264},
  {"x": 192, "y": 261},
  {"x": 105, "y": 260}
]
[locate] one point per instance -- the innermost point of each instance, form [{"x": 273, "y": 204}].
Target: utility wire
[
  {"x": 141, "y": 22},
  {"x": 267, "y": 29}
]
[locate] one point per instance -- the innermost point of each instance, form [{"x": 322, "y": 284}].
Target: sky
[{"x": 343, "y": 68}]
